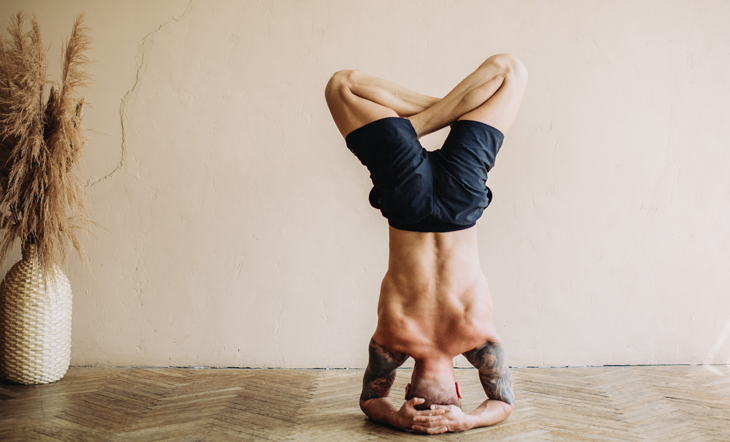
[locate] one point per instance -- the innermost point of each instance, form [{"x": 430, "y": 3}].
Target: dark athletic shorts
[{"x": 421, "y": 191}]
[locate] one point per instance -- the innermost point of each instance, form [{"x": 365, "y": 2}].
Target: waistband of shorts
[
  {"x": 479, "y": 124},
  {"x": 377, "y": 125},
  {"x": 430, "y": 226}
]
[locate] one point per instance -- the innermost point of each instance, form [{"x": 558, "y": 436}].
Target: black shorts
[{"x": 421, "y": 191}]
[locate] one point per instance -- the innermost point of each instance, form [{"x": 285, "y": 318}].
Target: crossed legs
[{"x": 491, "y": 94}]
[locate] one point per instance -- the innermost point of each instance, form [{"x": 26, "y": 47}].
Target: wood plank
[{"x": 687, "y": 403}]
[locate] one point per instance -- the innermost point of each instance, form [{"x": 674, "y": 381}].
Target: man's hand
[
  {"x": 408, "y": 418},
  {"x": 443, "y": 418}
]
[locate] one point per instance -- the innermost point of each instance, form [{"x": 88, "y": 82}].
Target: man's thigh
[
  {"x": 500, "y": 110},
  {"x": 349, "y": 111}
]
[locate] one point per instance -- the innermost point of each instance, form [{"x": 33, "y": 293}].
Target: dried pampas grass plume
[{"x": 41, "y": 142}]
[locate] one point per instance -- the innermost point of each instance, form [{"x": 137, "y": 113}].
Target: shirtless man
[{"x": 434, "y": 299}]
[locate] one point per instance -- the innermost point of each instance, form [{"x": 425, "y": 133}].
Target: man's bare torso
[{"x": 434, "y": 299}]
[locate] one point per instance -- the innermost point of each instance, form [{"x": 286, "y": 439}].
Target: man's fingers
[
  {"x": 426, "y": 417},
  {"x": 429, "y": 421},
  {"x": 436, "y": 430},
  {"x": 412, "y": 402},
  {"x": 430, "y": 412}
]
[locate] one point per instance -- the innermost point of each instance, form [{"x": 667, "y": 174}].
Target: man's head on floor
[{"x": 434, "y": 381}]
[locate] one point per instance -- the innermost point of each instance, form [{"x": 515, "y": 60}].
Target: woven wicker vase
[{"x": 35, "y": 323}]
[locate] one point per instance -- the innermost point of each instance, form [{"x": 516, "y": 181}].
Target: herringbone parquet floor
[{"x": 675, "y": 403}]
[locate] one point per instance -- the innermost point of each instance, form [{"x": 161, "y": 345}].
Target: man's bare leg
[
  {"x": 356, "y": 99},
  {"x": 491, "y": 94}
]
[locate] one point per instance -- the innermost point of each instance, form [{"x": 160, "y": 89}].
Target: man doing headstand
[{"x": 434, "y": 299}]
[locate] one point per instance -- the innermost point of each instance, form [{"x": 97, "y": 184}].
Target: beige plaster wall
[{"x": 234, "y": 227}]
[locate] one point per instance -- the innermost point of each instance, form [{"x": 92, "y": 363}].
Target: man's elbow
[
  {"x": 507, "y": 409},
  {"x": 365, "y": 406}
]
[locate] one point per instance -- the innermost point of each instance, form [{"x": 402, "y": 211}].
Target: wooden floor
[{"x": 676, "y": 403}]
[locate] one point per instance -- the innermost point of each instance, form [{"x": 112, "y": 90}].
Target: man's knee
[
  {"x": 339, "y": 84},
  {"x": 509, "y": 64}
]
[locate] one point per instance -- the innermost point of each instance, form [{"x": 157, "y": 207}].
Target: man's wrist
[
  {"x": 470, "y": 420},
  {"x": 394, "y": 420}
]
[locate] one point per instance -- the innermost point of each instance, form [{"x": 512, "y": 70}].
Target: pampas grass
[{"x": 41, "y": 141}]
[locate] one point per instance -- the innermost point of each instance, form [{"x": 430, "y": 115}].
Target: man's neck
[{"x": 435, "y": 367}]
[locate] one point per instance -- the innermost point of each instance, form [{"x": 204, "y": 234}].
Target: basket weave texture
[{"x": 35, "y": 323}]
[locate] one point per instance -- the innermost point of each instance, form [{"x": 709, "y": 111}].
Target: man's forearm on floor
[
  {"x": 381, "y": 410},
  {"x": 490, "y": 412}
]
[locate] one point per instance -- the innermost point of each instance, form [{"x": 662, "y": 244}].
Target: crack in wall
[{"x": 141, "y": 51}]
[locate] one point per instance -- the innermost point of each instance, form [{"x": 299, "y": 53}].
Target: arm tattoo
[
  {"x": 380, "y": 374},
  {"x": 493, "y": 371}
]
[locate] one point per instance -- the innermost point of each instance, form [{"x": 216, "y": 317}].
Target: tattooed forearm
[
  {"x": 493, "y": 371},
  {"x": 380, "y": 374}
]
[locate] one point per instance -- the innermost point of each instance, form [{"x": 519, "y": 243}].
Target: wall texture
[{"x": 234, "y": 227}]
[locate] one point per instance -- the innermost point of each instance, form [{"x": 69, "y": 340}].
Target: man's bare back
[{"x": 434, "y": 300}]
